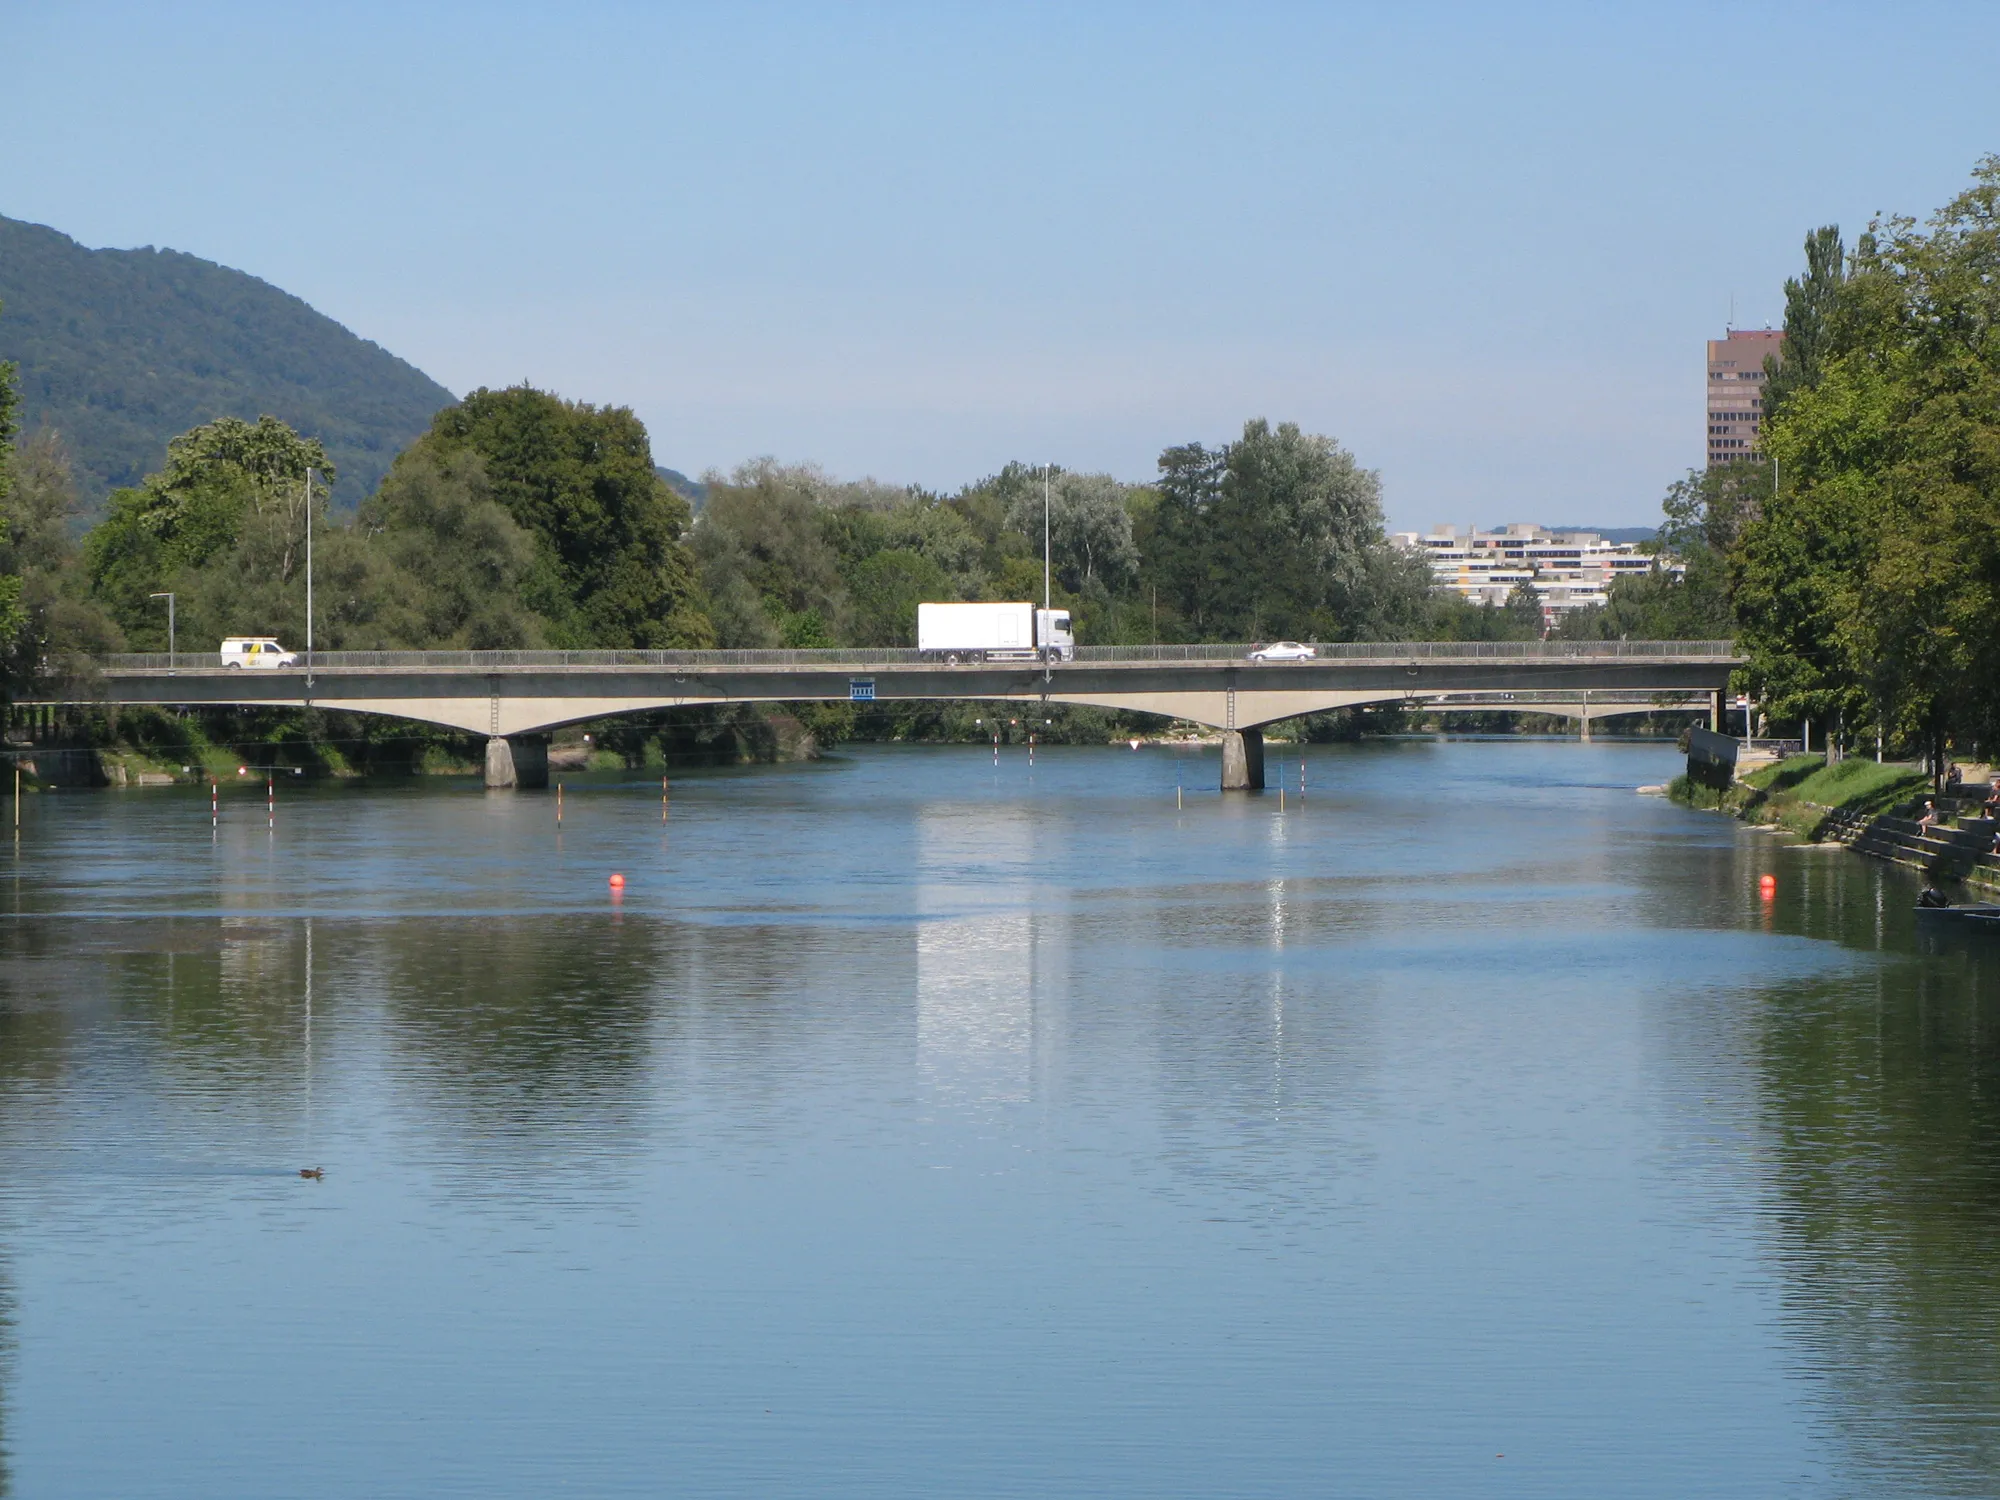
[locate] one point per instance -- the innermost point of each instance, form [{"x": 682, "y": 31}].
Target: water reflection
[
  {"x": 8, "y": 1373},
  {"x": 516, "y": 1035},
  {"x": 1882, "y": 1109},
  {"x": 1864, "y": 1100},
  {"x": 1335, "y": 1143},
  {"x": 980, "y": 950}
]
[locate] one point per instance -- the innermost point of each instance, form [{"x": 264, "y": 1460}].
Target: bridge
[{"x": 515, "y": 697}]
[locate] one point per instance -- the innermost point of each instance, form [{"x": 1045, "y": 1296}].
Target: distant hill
[
  {"x": 122, "y": 349},
  {"x": 691, "y": 490}
]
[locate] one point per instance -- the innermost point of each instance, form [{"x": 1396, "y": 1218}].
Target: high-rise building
[{"x": 1736, "y": 391}]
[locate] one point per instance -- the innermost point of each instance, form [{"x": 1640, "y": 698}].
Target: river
[{"x": 913, "y": 1125}]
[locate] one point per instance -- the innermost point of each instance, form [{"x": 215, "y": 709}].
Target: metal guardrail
[{"x": 902, "y": 656}]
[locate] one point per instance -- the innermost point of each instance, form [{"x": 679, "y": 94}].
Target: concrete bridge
[
  {"x": 1585, "y": 707},
  {"x": 515, "y": 697}
]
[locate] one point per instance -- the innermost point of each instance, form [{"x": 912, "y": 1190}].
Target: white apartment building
[{"x": 1567, "y": 570}]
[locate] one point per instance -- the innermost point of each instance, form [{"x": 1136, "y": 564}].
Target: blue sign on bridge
[{"x": 861, "y": 690}]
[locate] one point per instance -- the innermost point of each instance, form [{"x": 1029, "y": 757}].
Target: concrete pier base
[
  {"x": 1243, "y": 760},
  {"x": 522, "y": 761}
]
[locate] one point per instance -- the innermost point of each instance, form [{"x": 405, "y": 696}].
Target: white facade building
[{"x": 1566, "y": 569}]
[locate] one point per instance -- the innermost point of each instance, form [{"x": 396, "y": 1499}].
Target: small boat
[{"x": 1933, "y": 908}]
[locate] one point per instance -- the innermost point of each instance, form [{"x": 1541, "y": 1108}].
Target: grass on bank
[{"x": 1800, "y": 791}]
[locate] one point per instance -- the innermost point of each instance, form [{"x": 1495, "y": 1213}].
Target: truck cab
[{"x": 1052, "y": 635}]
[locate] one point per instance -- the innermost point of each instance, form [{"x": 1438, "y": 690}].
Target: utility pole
[
  {"x": 1048, "y": 596},
  {"x": 309, "y": 580},
  {"x": 170, "y": 627}
]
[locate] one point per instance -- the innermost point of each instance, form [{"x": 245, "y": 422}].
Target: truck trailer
[{"x": 954, "y": 633}]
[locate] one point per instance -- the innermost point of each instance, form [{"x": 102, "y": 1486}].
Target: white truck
[{"x": 954, "y": 633}]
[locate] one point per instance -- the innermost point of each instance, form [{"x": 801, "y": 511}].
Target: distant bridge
[{"x": 515, "y": 697}]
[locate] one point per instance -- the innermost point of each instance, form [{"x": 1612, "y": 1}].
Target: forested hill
[{"x": 122, "y": 349}]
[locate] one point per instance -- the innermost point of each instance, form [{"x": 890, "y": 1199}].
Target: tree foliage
[
  {"x": 1089, "y": 525},
  {"x": 522, "y": 521},
  {"x": 1867, "y": 585},
  {"x": 222, "y": 522},
  {"x": 580, "y": 480},
  {"x": 12, "y": 618},
  {"x": 1812, "y": 303},
  {"x": 1280, "y": 534}
]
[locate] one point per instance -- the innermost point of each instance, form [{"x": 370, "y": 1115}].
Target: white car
[
  {"x": 256, "y": 651},
  {"x": 1283, "y": 651}
]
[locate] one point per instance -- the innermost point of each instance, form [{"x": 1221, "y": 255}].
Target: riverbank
[{"x": 1869, "y": 807}]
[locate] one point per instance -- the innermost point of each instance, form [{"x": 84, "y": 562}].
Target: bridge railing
[
  {"x": 1424, "y": 651},
  {"x": 903, "y": 656}
]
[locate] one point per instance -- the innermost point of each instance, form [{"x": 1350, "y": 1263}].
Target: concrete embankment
[
  {"x": 1959, "y": 847},
  {"x": 1873, "y": 809}
]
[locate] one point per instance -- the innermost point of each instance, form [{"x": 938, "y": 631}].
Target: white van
[{"x": 256, "y": 651}]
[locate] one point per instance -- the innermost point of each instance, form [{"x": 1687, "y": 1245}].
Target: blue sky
[{"x": 1481, "y": 245}]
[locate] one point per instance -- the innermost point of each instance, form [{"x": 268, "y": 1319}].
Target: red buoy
[
  {"x": 617, "y": 882},
  {"x": 1768, "y": 882}
]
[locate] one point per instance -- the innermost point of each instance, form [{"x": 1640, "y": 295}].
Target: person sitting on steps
[{"x": 1929, "y": 819}]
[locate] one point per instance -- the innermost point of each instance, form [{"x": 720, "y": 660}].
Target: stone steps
[{"x": 1961, "y": 853}]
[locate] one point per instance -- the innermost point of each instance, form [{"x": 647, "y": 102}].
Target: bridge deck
[{"x": 518, "y": 692}]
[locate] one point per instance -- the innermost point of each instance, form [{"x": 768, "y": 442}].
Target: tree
[
  {"x": 1812, "y": 303},
  {"x": 224, "y": 517},
  {"x": 12, "y": 617},
  {"x": 58, "y": 628},
  {"x": 453, "y": 564},
  {"x": 1705, "y": 512},
  {"x": 1868, "y": 582},
  {"x": 1090, "y": 529},
  {"x": 1524, "y": 610},
  {"x": 579, "y": 479},
  {"x": 223, "y": 473},
  {"x": 886, "y": 589},
  {"x": 1279, "y": 534},
  {"x": 770, "y": 566}
]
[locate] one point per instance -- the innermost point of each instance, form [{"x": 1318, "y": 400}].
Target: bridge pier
[
  {"x": 522, "y": 761},
  {"x": 1243, "y": 760}
]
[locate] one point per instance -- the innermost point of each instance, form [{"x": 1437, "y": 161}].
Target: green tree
[
  {"x": 1279, "y": 534},
  {"x": 1524, "y": 610},
  {"x": 224, "y": 518},
  {"x": 446, "y": 565},
  {"x": 1867, "y": 584},
  {"x": 768, "y": 558},
  {"x": 1705, "y": 513},
  {"x": 1811, "y": 305},
  {"x": 886, "y": 589},
  {"x": 1090, "y": 529},
  {"x": 59, "y": 628},
  {"x": 13, "y": 618},
  {"x": 1450, "y": 616},
  {"x": 579, "y": 479}
]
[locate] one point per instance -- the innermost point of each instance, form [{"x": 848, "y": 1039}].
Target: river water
[{"x": 918, "y": 1126}]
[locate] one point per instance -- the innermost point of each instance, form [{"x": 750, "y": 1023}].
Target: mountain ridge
[{"x": 120, "y": 350}]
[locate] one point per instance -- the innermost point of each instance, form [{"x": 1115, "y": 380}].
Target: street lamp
[
  {"x": 1048, "y": 597},
  {"x": 309, "y": 579},
  {"x": 170, "y": 627}
]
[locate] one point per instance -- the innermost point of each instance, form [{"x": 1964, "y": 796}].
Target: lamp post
[
  {"x": 309, "y": 579},
  {"x": 170, "y": 627},
  {"x": 1048, "y": 597}
]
